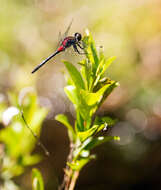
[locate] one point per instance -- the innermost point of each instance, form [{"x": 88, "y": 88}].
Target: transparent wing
[
  {"x": 61, "y": 37},
  {"x": 68, "y": 28}
]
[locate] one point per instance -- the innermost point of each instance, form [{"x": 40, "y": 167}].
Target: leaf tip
[{"x": 117, "y": 138}]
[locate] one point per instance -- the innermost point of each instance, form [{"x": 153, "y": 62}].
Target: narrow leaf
[
  {"x": 75, "y": 75},
  {"x": 91, "y": 142},
  {"x": 37, "y": 180},
  {"x": 106, "y": 119},
  {"x": 85, "y": 134},
  {"x": 79, "y": 164},
  {"x": 64, "y": 120},
  {"x": 100, "y": 140},
  {"x": 94, "y": 53},
  {"x": 107, "y": 64},
  {"x": 71, "y": 92},
  {"x": 94, "y": 98}
]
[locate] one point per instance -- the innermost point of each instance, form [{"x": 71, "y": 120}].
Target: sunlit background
[{"x": 127, "y": 29}]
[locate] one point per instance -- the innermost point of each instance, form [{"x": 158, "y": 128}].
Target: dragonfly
[{"x": 74, "y": 41}]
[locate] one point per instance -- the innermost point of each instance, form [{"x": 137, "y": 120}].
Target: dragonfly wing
[
  {"x": 61, "y": 37},
  {"x": 60, "y": 40},
  {"x": 68, "y": 28}
]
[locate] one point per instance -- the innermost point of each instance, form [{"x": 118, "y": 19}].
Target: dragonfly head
[{"x": 78, "y": 36}]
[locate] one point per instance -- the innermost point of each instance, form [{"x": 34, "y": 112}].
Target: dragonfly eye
[{"x": 78, "y": 36}]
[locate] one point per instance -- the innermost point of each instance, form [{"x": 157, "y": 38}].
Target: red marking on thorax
[
  {"x": 61, "y": 48},
  {"x": 65, "y": 41}
]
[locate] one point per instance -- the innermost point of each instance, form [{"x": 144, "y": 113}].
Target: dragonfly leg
[
  {"x": 79, "y": 44},
  {"x": 76, "y": 49}
]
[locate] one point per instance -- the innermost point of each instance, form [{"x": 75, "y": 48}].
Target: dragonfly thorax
[{"x": 78, "y": 36}]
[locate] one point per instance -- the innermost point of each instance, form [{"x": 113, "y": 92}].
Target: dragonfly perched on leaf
[{"x": 67, "y": 42}]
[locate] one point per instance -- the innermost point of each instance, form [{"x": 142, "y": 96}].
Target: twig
[
  {"x": 34, "y": 135},
  {"x": 67, "y": 171},
  {"x": 73, "y": 180}
]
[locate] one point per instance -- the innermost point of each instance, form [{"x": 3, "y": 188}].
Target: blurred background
[{"x": 127, "y": 29}]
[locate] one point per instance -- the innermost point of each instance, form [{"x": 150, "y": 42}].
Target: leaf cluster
[{"x": 87, "y": 89}]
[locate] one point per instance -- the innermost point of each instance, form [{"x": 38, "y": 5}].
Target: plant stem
[
  {"x": 70, "y": 176},
  {"x": 73, "y": 180}
]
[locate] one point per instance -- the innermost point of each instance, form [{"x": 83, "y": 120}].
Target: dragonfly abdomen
[{"x": 41, "y": 64}]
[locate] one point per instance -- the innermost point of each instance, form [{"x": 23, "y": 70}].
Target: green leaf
[
  {"x": 105, "y": 120},
  {"x": 79, "y": 123},
  {"x": 64, "y": 120},
  {"x": 86, "y": 73},
  {"x": 71, "y": 92},
  {"x": 91, "y": 142},
  {"x": 11, "y": 169},
  {"x": 81, "y": 108},
  {"x": 103, "y": 65},
  {"x": 109, "y": 89},
  {"x": 68, "y": 79},
  {"x": 93, "y": 130},
  {"x": 37, "y": 180},
  {"x": 3, "y": 107},
  {"x": 94, "y": 52},
  {"x": 37, "y": 119},
  {"x": 107, "y": 64},
  {"x": 100, "y": 127},
  {"x": 85, "y": 134},
  {"x": 18, "y": 139},
  {"x": 100, "y": 140},
  {"x": 79, "y": 164},
  {"x": 12, "y": 138},
  {"x": 87, "y": 103},
  {"x": 95, "y": 97},
  {"x": 75, "y": 75},
  {"x": 91, "y": 53},
  {"x": 31, "y": 159},
  {"x": 100, "y": 82}
]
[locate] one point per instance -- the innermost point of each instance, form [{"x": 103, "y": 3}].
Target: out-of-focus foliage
[
  {"x": 37, "y": 180},
  {"x": 18, "y": 142}
]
